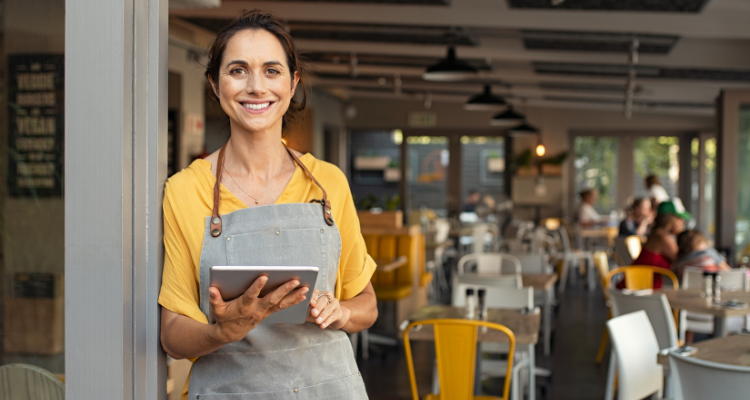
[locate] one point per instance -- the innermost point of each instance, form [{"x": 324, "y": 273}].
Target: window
[
  {"x": 596, "y": 168},
  {"x": 32, "y": 192}
]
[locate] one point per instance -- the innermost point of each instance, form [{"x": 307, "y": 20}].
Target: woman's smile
[{"x": 257, "y": 108}]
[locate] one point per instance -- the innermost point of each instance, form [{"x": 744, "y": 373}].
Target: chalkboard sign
[{"x": 35, "y": 125}]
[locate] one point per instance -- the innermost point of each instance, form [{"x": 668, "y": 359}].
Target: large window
[
  {"x": 742, "y": 236},
  {"x": 596, "y": 168},
  {"x": 31, "y": 193},
  {"x": 656, "y": 156}
]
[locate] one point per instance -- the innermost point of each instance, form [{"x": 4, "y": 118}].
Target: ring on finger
[{"x": 326, "y": 295}]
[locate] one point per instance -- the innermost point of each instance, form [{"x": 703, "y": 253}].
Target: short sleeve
[
  {"x": 356, "y": 267},
  {"x": 180, "y": 285}
]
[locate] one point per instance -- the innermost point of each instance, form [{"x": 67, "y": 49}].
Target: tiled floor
[{"x": 579, "y": 323}]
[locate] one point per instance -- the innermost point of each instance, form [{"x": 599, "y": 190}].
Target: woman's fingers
[
  {"x": 322, "y": 299},
  {"x": 253, "y": 291},
  {"x": 293, "y": 298},
  {"x": 275, "y": 297}
]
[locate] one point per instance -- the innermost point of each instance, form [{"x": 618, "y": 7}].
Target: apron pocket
[
  {"x": 279, "y": 247},
  {"x": 351, "y": 387}
]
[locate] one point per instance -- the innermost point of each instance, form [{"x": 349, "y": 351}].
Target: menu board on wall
[{"x": 35, "y": 125}]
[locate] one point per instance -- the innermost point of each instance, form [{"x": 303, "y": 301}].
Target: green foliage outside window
[{"x": 596, "y": 167}]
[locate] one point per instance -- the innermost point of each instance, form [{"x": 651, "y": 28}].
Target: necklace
[{"x": 257, "y": 200}]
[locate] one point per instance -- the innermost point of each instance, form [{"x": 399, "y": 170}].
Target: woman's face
[
  {"x": 255, "y": 84},
  {"x": 678, "y": 226}
]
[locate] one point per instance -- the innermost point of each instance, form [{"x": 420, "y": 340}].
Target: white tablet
[{"x": 233, "y": 281}]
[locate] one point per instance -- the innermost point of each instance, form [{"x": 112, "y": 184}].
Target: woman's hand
[
  {"x": 327, "y": 311},
  {"x": 235, "y": 318}
]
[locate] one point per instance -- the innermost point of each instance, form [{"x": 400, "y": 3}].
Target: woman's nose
[{"x": 256, "y": 84}]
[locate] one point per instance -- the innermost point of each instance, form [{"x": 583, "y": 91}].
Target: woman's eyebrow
[
  {"x": 238, "y": 62},
  {"x": 245, "y": 64}
]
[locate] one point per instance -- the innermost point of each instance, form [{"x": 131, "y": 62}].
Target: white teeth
[{"x": 256, "y": 106}]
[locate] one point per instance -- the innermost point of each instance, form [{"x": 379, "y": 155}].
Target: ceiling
[{"x": 574, "y": 54}]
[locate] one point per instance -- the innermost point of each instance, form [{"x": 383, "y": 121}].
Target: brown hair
[
  {"x": 689, "y": 240},
  {"x": 652, "y": 180},
  {"x": 665, "y": 221},
  {"x": 257, "y": 20}
]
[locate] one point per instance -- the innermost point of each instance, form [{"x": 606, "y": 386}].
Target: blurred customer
[
  {"x": 472, "y": 200},
  {"x": 695, "y": 253},
  {"x": 656, "y": 191},
  {"x": 660, "y": 249},
  {"x": 586, "y": 215},
  {"x": 639, "y": 218},
  {"x": 675, "y": 207}
]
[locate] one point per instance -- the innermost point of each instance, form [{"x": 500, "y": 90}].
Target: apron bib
[{"x": 276, "y": 362}]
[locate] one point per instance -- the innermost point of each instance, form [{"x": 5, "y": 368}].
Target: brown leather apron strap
[
  {"x": 327, "y": 214},
  {"x": 216, "y": 218}
]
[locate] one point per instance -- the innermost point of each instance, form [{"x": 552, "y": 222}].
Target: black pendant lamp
[
  {"x": 485, "y": 101},
  {"x": 449, "y": 69},
  {"x": 523, "y": 130},
  {"x": 508, "y": 117}
]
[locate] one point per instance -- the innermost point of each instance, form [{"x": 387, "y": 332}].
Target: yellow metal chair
[
  {"x": 639, "y": 277},
  {"x": 602, "y": 266},
  {"x": 456, "y": 352}
]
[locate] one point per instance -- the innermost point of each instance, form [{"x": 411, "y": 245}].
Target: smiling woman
[{"x": 272, "y": 206}]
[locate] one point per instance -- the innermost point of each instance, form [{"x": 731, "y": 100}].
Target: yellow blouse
[{"x": 188, "y": 199}]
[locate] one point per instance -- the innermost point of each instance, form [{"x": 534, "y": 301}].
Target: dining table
[
  {"x": 693, "y": 300},
  {"x": 732, "y": 350},
  {"x": 523, "y": 324},
  {"x": 544, "y": 283}
]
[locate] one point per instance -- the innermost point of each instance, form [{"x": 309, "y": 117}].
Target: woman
[
  {"x": 256, "y": 202},
  {"x": 660, "y": 249},
  {"x": 638, "y": 220}
]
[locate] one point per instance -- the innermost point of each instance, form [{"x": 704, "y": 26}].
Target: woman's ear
[
  {"x": 214, "y": 87},
  {"x": 295, "y": 81}
]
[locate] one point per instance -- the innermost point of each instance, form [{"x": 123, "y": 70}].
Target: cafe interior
[
  {"x": 556, "y": 192},
  {"x": 509, "y": 160}
]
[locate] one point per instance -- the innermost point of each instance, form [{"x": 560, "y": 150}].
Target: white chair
[
  {"x": 699, "y": 379},
  {"x": 489, "y": 263},
  {"x": 571, "y": 256},
  {"x": 733, "y": 280},
  {"x": 659, "y": 314},
  {"x": 463, "y": 282},
  {"x": 29, "y": 382},
  {"x": 502, "y": 297},
  {"x": 656, "y": 307},
  {"x": 634, "y": 351},
  {"x": 534, "y": 263}
]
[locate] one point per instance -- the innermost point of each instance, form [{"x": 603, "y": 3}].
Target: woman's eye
[
  {"x": 273, "y": 71},
  {"x": 237, "y": 71}
]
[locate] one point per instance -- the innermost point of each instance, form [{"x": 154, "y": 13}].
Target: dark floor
[{"x": 578, "y": 326}]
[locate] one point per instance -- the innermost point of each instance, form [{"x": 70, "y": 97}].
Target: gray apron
[{"x": 275, "y": 362}]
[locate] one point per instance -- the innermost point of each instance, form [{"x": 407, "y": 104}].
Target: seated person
[
  {"x": 660, "y": 249},
  {"x": 639, "y": 218},
  {"x": 656, "y": 191},
  {"x": 695, "y": 253},
  {"x": 586, "y": 215},
  {"x": 472, "y": 200}
]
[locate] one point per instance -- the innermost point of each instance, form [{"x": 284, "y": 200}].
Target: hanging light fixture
[
  {"x": 507, "y": 118},
  {"x": 449, "y": 69},
  {"x": 485, "y": 101},
  {"x": 523, "y": 130},
  {"x": 540, "y": 149}
]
